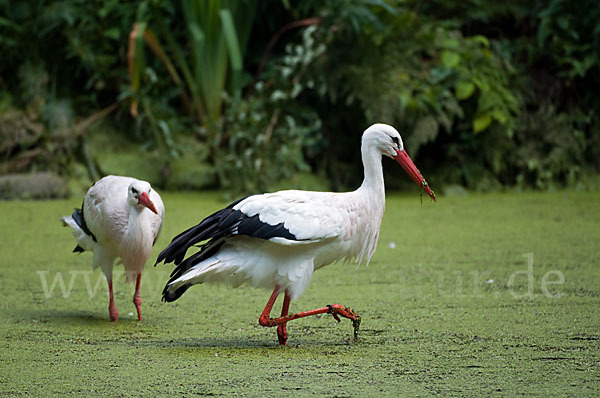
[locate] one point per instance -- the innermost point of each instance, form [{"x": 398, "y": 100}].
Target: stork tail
[{"x": 85, "y": 238}]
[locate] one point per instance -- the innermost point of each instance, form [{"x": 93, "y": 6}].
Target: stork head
[
  {"x": 138, "y": 194},
  {"x": 388, "y": 141}
]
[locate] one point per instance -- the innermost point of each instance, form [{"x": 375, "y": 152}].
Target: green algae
[{"x": 476, "y": 295}]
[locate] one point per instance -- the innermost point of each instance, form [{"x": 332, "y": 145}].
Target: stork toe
[
  {"x": 346, "y": 312},
  {"x": 282, "y": 334},
  {"x": 113, "y": 313},
  {"x": 137, "y": 301}
]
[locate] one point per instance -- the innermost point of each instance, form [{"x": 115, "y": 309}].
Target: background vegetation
[{"x": 251, "y": 95}]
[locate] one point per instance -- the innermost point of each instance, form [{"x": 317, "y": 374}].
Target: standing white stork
[
  {"x": 119, "y": 217},
  {"x": 277, "y": 240}
]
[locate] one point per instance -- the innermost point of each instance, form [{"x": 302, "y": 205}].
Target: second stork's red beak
[
  {"x": 144, "y": 200},
  {"x": 408, "y": 166}
]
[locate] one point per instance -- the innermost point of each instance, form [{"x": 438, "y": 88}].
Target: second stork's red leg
[
  {"x": 137, "y": 297},
  {"x": 112, "y": 310},
  {"x": 336, "y": 310}
]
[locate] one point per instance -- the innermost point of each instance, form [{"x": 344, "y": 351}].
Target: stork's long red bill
[
  {"x": 408, "y": 166},
  {"x": 144, "y": 199}
]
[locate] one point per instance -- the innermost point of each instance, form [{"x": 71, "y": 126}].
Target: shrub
[{"x": 32, "y": 186}]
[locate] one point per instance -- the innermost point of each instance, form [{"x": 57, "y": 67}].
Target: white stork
[
  {"x": 277, "y": 240},
  {"x": 120, "y": 217}
]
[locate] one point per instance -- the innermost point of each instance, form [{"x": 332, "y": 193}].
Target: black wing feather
[
  {"x": 203, "y": 254},
  {"x": 214, "y": 228},
  {"x": 79, "y": 218}
]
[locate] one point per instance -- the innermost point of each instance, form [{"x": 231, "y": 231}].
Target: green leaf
[
  {"x": 563, "y": 22},
  {"x": 481, "y": 122},
  {"x": 231, "y": 39},
  {"x": 138, "y": 60},
  {"x": 499, "y": 115},
  {"x": 8, "y": 23},
  {"x": 383, "y": 4},
  {"x": 544, "y": 31},
  {"x": 196, "y": 32},
  {"x": 112, "y": 33},
  {"x": 450, "y": 59},
  {"x": 450, "y": 43},
  {"x": 464, "y": 90},
  {"x": 481, "y": 84},
  {"x": 482, "y": 39},
  {"x": 404, "y": 96},
  {"x": 233, "y": 47}
]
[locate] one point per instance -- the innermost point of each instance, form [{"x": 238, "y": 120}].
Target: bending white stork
[
  {"x": 277, "y": 240},
  {"x": 119, "y": 217}
]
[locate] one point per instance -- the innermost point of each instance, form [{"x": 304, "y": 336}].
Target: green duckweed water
[{"x": 477, "y": 295}]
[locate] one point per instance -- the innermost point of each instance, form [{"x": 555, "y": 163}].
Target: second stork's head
[{"x": 138, "y": 194}]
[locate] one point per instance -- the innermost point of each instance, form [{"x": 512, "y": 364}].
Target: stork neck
[
  {"x": 136, "y": 244},
  {"x": 137, "y": 222},
  {"x": 373, "y": 180}
]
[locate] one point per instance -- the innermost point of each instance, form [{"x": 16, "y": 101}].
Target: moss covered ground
[{"x": 476, "y": 295}]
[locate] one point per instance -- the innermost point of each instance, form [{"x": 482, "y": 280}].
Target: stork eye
[
  {"x": 396, "y": 140},
  {"x": 134, "y": 190}
]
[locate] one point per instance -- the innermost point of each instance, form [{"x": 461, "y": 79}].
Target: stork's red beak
[
  {"x": 408, "y": 166},
  {"x": 144, "y": 200}
]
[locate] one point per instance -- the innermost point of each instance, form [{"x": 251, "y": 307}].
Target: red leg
[
  {"x": 282, "y": 329},
  {"x": 334, "y": 309},
  {"x": 112, "y": 310},
  {"x": 264, "y": 319},
  {"x": 137, "y": 298}
]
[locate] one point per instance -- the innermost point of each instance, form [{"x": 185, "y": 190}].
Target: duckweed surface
[{"x": 473, "y": 296}]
